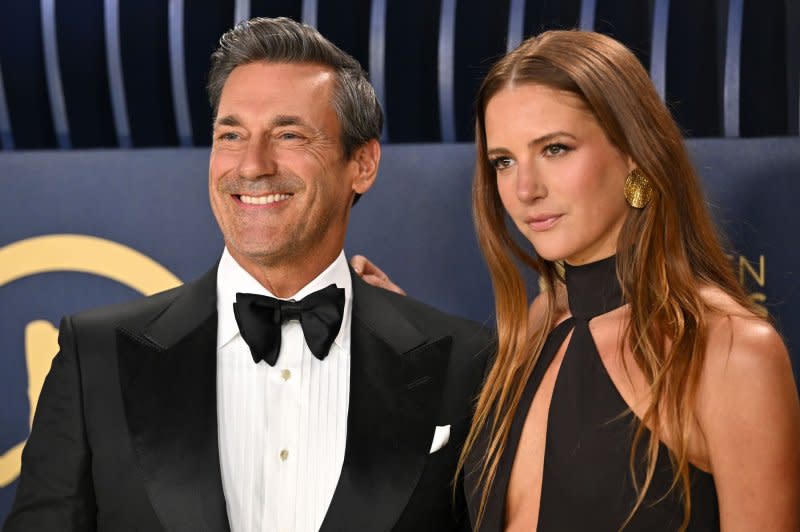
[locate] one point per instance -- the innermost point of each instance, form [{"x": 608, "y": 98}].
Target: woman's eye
[
  {"x": 501, "y": 163},
  {"x": 554, "y": 150}
]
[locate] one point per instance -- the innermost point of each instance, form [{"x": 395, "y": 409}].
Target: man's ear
[{"x": 367, "y": 157}]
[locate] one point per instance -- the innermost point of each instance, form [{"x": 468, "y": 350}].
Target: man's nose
[
  {"x": 258, "y": 159},
  {"x": 530, "y": 185}
]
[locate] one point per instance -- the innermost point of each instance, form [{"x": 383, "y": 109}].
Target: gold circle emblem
[{"x": 73, "y": 253}]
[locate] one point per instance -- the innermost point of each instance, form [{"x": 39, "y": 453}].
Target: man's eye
[
  {"x": 501, "y": 163},
  {"x": 288, "y": 135},
  {"x": 228, "y": 135}
]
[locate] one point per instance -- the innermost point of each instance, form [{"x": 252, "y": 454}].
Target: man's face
[{"x": 279, "y": 185}]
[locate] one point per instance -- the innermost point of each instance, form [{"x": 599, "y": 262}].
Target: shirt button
[
  {"x": 284, "y": 455},
  {"x": 286, "y": 374}
]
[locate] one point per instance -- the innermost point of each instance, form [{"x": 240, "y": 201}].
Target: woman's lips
[{"x": 542, "y": 222}]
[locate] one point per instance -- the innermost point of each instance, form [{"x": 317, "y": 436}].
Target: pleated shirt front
[{"x": 282, "y": 429}]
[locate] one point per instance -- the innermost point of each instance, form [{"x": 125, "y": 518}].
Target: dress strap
[{"x": 495, "y": 506}]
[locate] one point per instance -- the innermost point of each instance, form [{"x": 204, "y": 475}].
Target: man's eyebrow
[
  {"x": 228, "y": 120},
  {"x": 278, "y": 121},
  {"x": 288, "y": 120}
]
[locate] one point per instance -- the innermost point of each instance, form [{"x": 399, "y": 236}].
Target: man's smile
[{"x": 262, "y": 200}]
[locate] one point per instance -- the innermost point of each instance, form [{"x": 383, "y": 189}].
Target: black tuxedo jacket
[{"x": 125, "y": 433}]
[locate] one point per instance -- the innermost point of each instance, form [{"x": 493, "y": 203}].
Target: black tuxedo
[{"x": 125, "y": 434}]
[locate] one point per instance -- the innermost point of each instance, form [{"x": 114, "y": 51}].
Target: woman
[{"x": 640, "y": 390}]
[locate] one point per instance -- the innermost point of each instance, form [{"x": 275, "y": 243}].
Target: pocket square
[{"x": 440, "y": 438}]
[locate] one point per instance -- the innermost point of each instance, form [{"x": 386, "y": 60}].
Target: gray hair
[{"x": 283, "y": 40}]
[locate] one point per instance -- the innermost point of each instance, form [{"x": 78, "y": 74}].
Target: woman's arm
[{"x": 749, "y": 414}]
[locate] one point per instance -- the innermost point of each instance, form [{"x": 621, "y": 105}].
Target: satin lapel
[
  {"x": 396, "y": 382},
  {"x": 168, "y": 380}
]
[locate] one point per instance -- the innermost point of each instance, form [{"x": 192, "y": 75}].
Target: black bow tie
[{"x": 260, "y": 318}]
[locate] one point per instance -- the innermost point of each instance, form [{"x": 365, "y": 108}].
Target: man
[{"x": 215, "y": 406}]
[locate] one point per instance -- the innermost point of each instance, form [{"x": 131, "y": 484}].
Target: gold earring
[{"x": 638, "y": 190}]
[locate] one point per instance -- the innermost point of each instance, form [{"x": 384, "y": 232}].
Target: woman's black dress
[{"x": 586, "y": 482}]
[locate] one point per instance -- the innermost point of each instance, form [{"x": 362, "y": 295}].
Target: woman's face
[{"x": 559, "y": 177}]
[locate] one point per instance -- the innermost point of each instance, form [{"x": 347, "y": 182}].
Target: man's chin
[{"x": 259, "y": 254}]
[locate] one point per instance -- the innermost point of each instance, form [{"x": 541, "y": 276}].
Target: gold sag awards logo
[
  {"x": 71, "y": 253},
  {"x": 754, "y": 273}
]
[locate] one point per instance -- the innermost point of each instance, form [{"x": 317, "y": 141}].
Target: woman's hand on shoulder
[
  {"x": 373, "y": 275},
  {"x": 750, "y": 417}
]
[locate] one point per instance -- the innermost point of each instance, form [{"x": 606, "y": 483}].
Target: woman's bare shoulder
[
  {"x": 749, "y": 415},
  {"x": 721, "y": 303},
  {"x": 739, "y": 339}
]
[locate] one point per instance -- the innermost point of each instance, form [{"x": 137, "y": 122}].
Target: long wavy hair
[{"x": 665, "y": 252}]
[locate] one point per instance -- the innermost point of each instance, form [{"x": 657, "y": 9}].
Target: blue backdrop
[{"x": 84, "y": 228}]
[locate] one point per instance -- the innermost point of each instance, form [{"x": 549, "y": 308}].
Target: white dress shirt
[{"x": 282, "y": 429}]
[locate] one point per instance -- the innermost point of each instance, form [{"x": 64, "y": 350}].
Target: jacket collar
[
  {"x": 195, "y": 304},
  {"x": 168, "y": 381}
]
